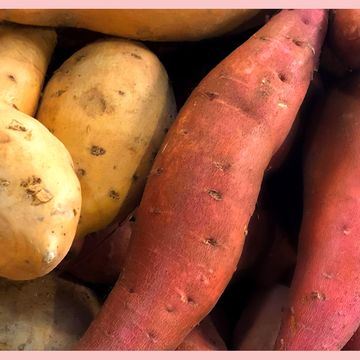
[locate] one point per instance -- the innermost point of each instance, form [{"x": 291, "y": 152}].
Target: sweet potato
[
  {"x": 140, "y": 24},
  {"x": 344, "y": 34},
  {"x": 324, "y": 307},
  {"x": 204, "y": 184},
  {"x": 259, "y": 325},
  {"x": 203, "y": 337},
  {"x": 102, "y": 254}
]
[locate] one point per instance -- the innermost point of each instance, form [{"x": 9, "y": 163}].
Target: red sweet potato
[
  {"x": 203, "y": 187},
  {"x": 344, "y": 34},
  {"x": 203, "y": 337},
  {"x": 324, "y": 307},
  {"x": 259, "y": 325},
  {"x": 102, "y": 254}
]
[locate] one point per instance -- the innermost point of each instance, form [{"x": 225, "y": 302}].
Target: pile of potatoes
[{"x": 168, "y": 179}]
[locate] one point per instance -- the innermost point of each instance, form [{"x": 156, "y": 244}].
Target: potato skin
[
  {"x": 140, "y": 24},
  {"x": 24, "y": 56},
  {"x": 44, "y": 314},
  {"x": 324, "y": 296},
  {"x": 111, "y": 105},
  {"x": 204, "y": 185},
  {"x": 40, "y": 198}
]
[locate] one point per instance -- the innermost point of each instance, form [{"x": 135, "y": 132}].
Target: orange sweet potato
[
  {"x": 203, "y": 187},
  {"x": 324, "y": 307}
]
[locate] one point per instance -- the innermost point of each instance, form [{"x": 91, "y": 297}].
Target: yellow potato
[
  {"x": 44, "y": 314},
  {"x": 140, "y": 24},
  {"x": 24, "y": 56},
  {"x": 40, "y": 197},
  {"x": 110, "y": 104}
]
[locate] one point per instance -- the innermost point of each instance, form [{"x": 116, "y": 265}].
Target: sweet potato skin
[
  {"x": 324, "y": 297},
  {"x": 345, "y": 36},
  {"x": 204, "y": 185},
  {"x": 203, "y": 337},
  {"x": 354, "y": 342}
]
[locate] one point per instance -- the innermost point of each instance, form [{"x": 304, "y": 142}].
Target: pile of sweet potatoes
[{"x": 168, "y": 189}]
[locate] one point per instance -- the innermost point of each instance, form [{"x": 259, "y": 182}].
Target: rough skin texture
[
  {"x": 324, "y": 308},
  {"x": 139, "y": 24},
  {"x": 204, "y": 185},
  {"x": 345, "y": 36}
]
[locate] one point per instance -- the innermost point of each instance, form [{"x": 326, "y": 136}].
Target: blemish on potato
[
  {"x": 316, "y": 295},
  {"x": 169, "y": 308},
  {"x": 16, "y": 125},
  {"x": 114, "y": 195},
  {"x": 135, "y": 177},
  {"x": 154, "y": 211},
  {"x": 48, "y": 257},
  {"x": 12, "y": 78},
  {"x": 80, "y": 172},
  {"x": 211, "y": 241},
  {"x": 223, "y": 166},
  {"x": 58, "y": 93},
  {"x": 136, "y": 56},
  {"x": 97, "y": 150},
  {"x": 120, "y": 92},
  {"x": 14, "y": 106},
  {"x": 209, "y": 95},
  {"x": 215, "y": 194},
  {"x": 94, "y": 104},
  {"x": 4, "y": 183}
]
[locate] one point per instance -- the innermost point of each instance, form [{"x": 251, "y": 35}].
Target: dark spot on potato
[
  {"x": 81, "y": 172},
  {"x": 16, "y": 125},
  {"x": 58, "y": 93},
  {"x": 215, "y": 194},
  {"x": 97, "y": 150},
  {"x": 131, "y": 291},
  {"x": 151, "y": 335},
  {"x": 114, "y": 195},
  {"x": 132, "y": 218},
  {"x": 264, "y": 38},
  {"x": 169, "y": 308},
  {"x": 120, "y": 92},
  {"x": 15, "y": 107},
  {"x": 75, "y": 212},
  {"x": 211, "y": 241},
  {"x": 306, "y": 21},
  {"x": 40, "y": 218},
  {"x": 210, "y": 95},
  {"x": 12, "y": 78},
  {"x": 166, "y": 130},
  {"x": 223, "y": 166},
  {"x": 184, "y": 131},
  {"x": 282, "y": 77},
  {"x": 21, "y": 347},
  {"x": 32, "y": 180},
  {"x": 191, "y": 301},
  {"x": 135, "y": 177},
  {"x": 79, "y": 58},
  {"x": 94, "y": 104},
  {"x": 316, "y": 295},
  {"x": 4, "y": 183},
  {"x": 136, "y": 56}
]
